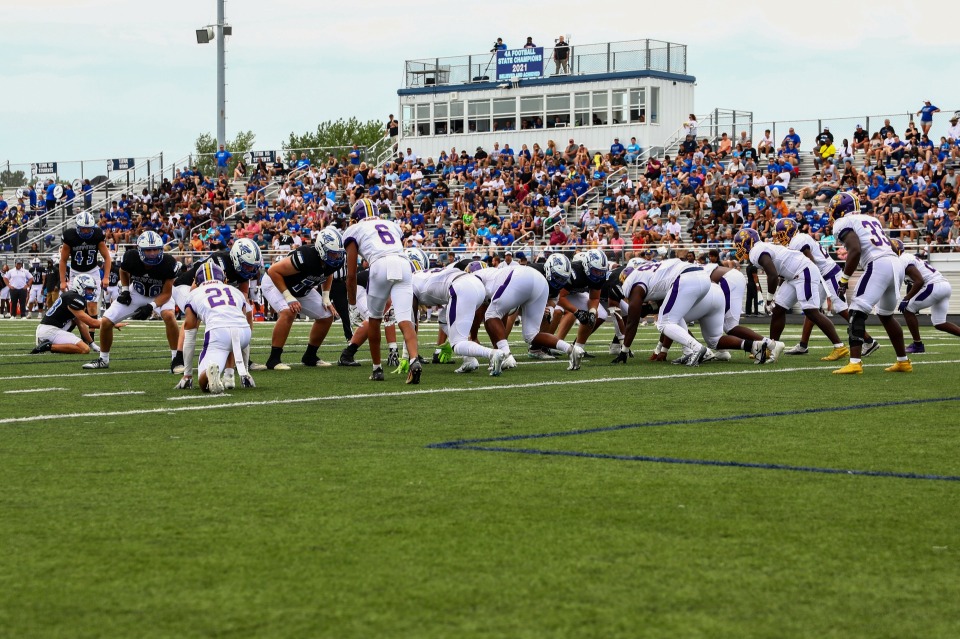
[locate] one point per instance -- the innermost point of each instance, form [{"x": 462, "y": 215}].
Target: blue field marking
[{"x": 474, "y": 444}]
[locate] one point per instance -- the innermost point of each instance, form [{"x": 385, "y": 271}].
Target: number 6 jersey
[
  {"x": 375, "y": 238},
  {"x": 873, "y": 243},
  {"x": 146, "y": 280},
  {"x": 219, "y": 305}
]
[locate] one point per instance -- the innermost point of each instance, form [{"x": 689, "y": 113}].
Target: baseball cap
[{"x": 520, "y": 255}]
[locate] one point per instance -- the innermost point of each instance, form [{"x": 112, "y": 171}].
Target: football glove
[
  {"x": 144, "y": 312},
  {"x": 446, "y": 353},
  {"x": 622, "y": 357},
  {"x": 185, "y": 384},
  {"x": 356, "y": 316},
  {"x": 584, "y": 318},
  {"x": 403, "y": 368},
  {"x": 393, "y": 359},
  {"x": 124, "y": 298},
  {"x": 903, "y": 305},
  {"x": 769, "y": 306},
  {"x": 842, "y": 290},
  {"x": 390, "y": 317}
]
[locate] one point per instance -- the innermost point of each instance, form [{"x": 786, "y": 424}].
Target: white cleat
[
  {"x": 776, "y": 350},
  {"x": 541, "y": 355},
  {"x": 615, "y": 348},
  {"x": 214, "y": 383},
  {"x": 469, "y": 365},
  {"x": 496, "y": 363},
  {"x": 229, "y": 381},
  {"x": 509, "y": 362},
  {"x": 576, "y": 357}
]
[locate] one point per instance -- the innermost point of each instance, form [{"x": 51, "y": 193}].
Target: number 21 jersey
[
  {"x": 219, "y": 305},
  {"x": 873, "y": 243}
]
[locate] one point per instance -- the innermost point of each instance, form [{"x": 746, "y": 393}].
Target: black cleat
[
  {"x": 436, "y": 358},
  {"x": 43, "y": 347},
  {"x": 346, "y": 359},
  {"x": 176, "y": 364},
  {"x": 416, "y": 368},
  {"x": 377, "y": 375}
]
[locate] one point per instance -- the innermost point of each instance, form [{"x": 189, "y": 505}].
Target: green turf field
[{"x": 732, "y": 501}]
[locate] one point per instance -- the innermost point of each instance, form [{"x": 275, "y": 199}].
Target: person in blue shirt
[
  {"x": 926, "y": 116},
  {"x": 354, "y": 155},
  {"x": 87, "y": 190},
  {"x": 499, "y": 45},
  {"x": 223, "y": 159},
  {"x": 633, "y": 151},
  {"x": 617, "y": 152},
  {"x": 792, "y": 137},
  {"x": 32, "y": 195},
  {"x": 51, "y": 198},
  {"x": 68, "y": 197}
]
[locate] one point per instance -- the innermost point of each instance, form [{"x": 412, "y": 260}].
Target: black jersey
[
  {"x": 83, "y": 252},
  {"x": 114, "y": 275},
  {"x": 611, "y": 288},
  {"x": 580, "y": 283},
  {"x": 60, "y": 315},
  {"x": 363, "y": 278},
  {"x": 221, "y": 259},
  {"x": 146, "y": 280},
  {"x": 311, "y": 271},
  {"x": 37, "y": 272}
]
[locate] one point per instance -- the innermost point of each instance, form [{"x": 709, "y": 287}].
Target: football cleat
[
  {"x": 615, "y": 347},
  {"x": 376, "y": 375},
  {"x": 176, "y": 364},
  {"x": 900, "y": 367},
  {"x": 214, "y": 383},
  {"x": 797, "y": 350},
  {"x": 722, "y": 356},
  {"x": 469, "y": 365},
  {"x": 869, "y": 349},
  {"x": 313, "y": 360},
  {"x": 759, "y": 352},
  {"x": 229, "y": 380},
  {"x": 697, "y": 358},
  {"x": 276, "y": 365},
  {"x": 257, "y": 367},
  {"x": 346, "y": 359},
  {"x": 509, "y": 362},
  {"x": 850, "y": 369},
  {"x": 536, "y": 353},
  {"x": 776, "y": 350},
  {"x": 916, "y": 347},
  {"x": 416, "y": 368},
  {"x": 98, "y": 363},
  {"x": 43, "y": 347},
  {"x": 496, "y": 362},
  {"x": 576, "y": 357},
  {"x": 247, "y": 382},
  {"x": 836, "y": 354},
  {"x": 436, "y": 358},
  {"x": 393, "y": 358},
  {"x": 185, "y": 383}
]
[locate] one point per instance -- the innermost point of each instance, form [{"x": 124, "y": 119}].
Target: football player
[
  {"x": 380, "y": 243},
  {"x": 868, "y": 248},
  {"x": 224, "y": 311},
  {"x": 733, "y": 285},
  {"x": 37, "y": 297},
  {"x": 801, "y": 282},
  {"x": 291, "y": 289},
  {"x": 79, "y": 250},
  {"x": 54, "y": 334},
  {"x": 360, "y": 332},
  {"x": 928, "y": 289},
  {"x": 146, "y": 286},
  {"x": 786, "y": 233},
  {"x": 580, "y": 298}
]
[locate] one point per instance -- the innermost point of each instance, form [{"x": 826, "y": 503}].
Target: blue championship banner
[
  {"x": 43, "y": 168},
  {"x": 120, "y": 164},
  {"x": 517, "y": 64}
]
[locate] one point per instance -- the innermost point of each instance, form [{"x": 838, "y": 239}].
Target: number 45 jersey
[
  {"x": 146, "y": 280},
  {"x": 219, "y": 305},
  {"x": 873, "y": 242}
]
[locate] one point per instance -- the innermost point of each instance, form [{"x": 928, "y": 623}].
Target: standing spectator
[
  {"x": 393, "y": 127},
  {"x": 18, "y": 280},
  {"x": 499, "y": 45},
  {"x": 51, "y": 198},
  {"x": 354, "y": 156},
  {"x": 691, "y": 125},
  {"x": 223, "y": 159},
  {"x": 87, "y": 190},
  {"x": 68, "y": 197},
  {"x": 561, "y": 56},
  {"x": 529, "y": 43},
  {"x": 926, "y": 116}
]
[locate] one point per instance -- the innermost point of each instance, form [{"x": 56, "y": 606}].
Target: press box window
[
  {"x": 478, "y": 116},
  {"x": 558, "y": 110},
  {"x": 505, "y": 114}
]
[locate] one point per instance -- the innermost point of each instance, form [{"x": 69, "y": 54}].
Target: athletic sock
[
  {"x": 174, "y": 353},
  {"x": 105, "y": 356},
  {"x": 802, "y": 344},
  {"x": 275, "y": 353},
  {"x": 311, "y": 350},
  {"x": 392, "y": 346},
  {"x": 840, "y": 345},
  {"x": 748, "y": 345},
  {"x": 352, "y": 348},
  {"x": 855, "y": 360},
  {"x": 564, "y": 346},
  {"x": 503, "y": 345},
  {"x": 902, "y": 359}
]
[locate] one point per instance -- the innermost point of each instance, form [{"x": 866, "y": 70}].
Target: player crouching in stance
[
  {"x": 146, "y": 286},
  {"x": 223, "y": 309},
  {"x": 928, "y": 289},
  {"x": 54, "y": 332},
  {"x": 868, "y": 247}
]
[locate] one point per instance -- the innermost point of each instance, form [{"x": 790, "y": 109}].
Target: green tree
[
  {"x": 206, "y": 146},
  {"x": 335, "y": 133},
  {"x": 12, "y": 178}
]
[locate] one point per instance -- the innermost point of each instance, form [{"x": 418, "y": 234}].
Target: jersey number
[
  {"x": 215, "y": 297},
  {"x": 53, "y": 309},
  {"x": 876, "y": 231},
  {"x": 384, "y": 232},
  {"x": 90, "y": 254},
  {"x": 153, "y": 291}
]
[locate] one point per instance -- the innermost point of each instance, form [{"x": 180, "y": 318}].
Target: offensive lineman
[{"x": 929, "y": 289}]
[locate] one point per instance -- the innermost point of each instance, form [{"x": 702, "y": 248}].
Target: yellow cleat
[
  {"x": 850, "y": 369},
  {"x": 900, "y": 367},
  {"x": 836, "y": 354}
]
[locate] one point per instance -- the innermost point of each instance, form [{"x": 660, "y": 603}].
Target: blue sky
[{"x": 121, "y": 78}]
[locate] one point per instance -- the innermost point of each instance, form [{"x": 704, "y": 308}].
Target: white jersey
[
  {"x": 930, "y": 274},
  {"x": 219, "y": 305},
  {"x": 375, "y": 238},
  {"x": 788, "y": 263},
  {"x": 508, "y": 265},
  {"x": 493, "y": 278},
  {"x": 873, "y": 242},
  {"x": 656, "y": 277},
  {"x": 432, "y": 288},
  {"x": 820, "y": 257}
]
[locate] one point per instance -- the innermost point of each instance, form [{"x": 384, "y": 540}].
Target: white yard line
[
  {"x": 759, "y": 370},
  {"x": 115, "y": 393},
  {"x": 33, "y": 390},
  {"x": 204, "y": 396},
  {"x": 99, "y": 374}
]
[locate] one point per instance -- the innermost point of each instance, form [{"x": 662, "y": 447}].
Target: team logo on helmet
[
  {"x": 744, "y": 241},
  {"x": 86, "y": 285},
  {"x": 418, "y": 259},
  {"x": 784, "y": 231},
  {"x": 150, "y": 248},
  {"x": 897, "y": 246}
]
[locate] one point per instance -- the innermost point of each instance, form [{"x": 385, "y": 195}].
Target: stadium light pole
[{"x": 217, "y": 32}]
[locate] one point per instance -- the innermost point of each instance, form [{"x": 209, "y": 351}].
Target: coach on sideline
[{"x": 18, "y": 280}]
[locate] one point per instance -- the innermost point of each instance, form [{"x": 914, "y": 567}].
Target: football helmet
[
  {"x": 842, "y": 204},
  {"x": 246, "y": 258},
  {"x": 150, "y": 248},
  {"x": 418, "y": 258},
  {"x": 364, "y": 208},
  {"x": 744, "y": 241},
  {"x": 329, "y": 245},
  {"x": 558, "y": 270},
  {"x": 86, "y": 285},
  {"x": 596, "y": 265},
  {"x": 86, "y": 224},
  {"x": 896, "y": 245},
  {"x": 209, "y": 272},
  {"x": 784, "y": 231},
  {"x": 580, "y": 257},
  {"x": 475, "y": 266},
  {"x": 634, "y": 262}
]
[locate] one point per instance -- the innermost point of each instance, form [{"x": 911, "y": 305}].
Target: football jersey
[
  {"x": 930, "y": 274},
  {"x": 219, "y": 305},
  {"x": 83, "y": 252},
  {"x": 59, "y": 314},
  {"x": 432, "y": 288},
  {"x": 221, "y": 259},
  {"x": 311, "y": 271},
  {"x": 788, "y": 263},
  {"x": 580, "y": 283},
  {"x": 147, "y": 280},
  {"x": 114, "y": 275},
  {"x": 375, "y": 238},
  {"x": 611, "y": 288},
  {"x": 824, "y": 263},
  {"x": 873, "y": 241},
  {"x": 493, "y": 278},
  {"x": 37, "y": 272},
  {"x": 655, "y": 277}
]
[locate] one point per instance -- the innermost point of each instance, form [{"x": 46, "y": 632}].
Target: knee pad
[{"x": 857, "y": 327}]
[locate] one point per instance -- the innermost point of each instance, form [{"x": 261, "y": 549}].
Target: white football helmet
[
  {"x": 580, "y": 257},
  {"x": 246, "y": 258},
  {"x": 418, "y": 258},
  {"x": 86, "y": 285},
  {"x": 634, "y": 262},
  {"x": 329, "y": 244},
  {"x": 558, "y": 270},
  {"x": 86, "y": 224},
  {"x": 150, "y": 247},
  {"x": 596, "y": 265}
]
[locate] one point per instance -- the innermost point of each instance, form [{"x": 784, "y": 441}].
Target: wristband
[
  {"x": 290, "y": 297},
  {"x": 154, "y": 305},
  {"x": 844, "y": 278},
  {"x": 768, "y": 297},
  {"x": 326, "y": 297}
]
